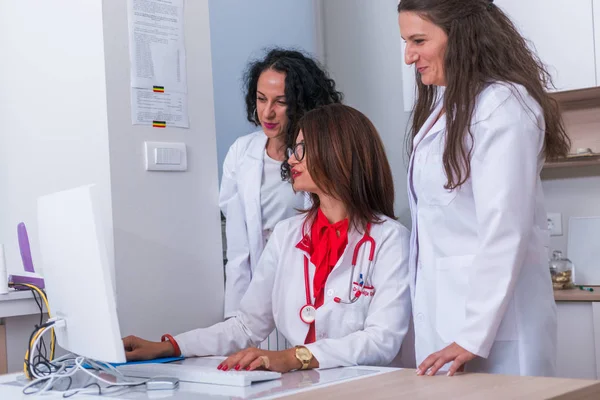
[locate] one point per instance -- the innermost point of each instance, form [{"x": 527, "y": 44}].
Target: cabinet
[
  {"x": 3, "y": 356},
  {"x": 578, "y": 352},
  {"x": 560, "y": 32}
]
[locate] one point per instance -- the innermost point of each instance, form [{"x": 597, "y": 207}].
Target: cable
[
  {"x": 45, "y": 373},
  {"x": 36, "y": 335},
  {"x": 42, "y": 294},
  {"x": 41, "y": 354},
  {"x": 69, "y": 366}
]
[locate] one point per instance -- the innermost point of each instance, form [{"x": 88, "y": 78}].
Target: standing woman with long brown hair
[{"x": 482, "y": 127}]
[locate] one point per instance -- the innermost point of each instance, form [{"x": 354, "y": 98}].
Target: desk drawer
[{"x": 3, "y": 355}]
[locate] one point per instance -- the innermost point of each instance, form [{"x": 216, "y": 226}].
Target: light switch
[
  {"x": 167, "y": 156},
  {"x": 164, "y": 156},
  {"x": 554, "y": 224}
]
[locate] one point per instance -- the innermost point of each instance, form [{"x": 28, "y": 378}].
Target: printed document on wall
[
  {"x": 156, "y": 44},
  {"x": 159, "y": 110}
]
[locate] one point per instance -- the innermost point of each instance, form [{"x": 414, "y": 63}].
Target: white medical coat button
[
  {"x": 420, "y": 317},
  {"x": 330, "y": 292}
]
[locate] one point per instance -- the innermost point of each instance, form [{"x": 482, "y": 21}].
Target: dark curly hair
[{"x": 307, "y": 86}]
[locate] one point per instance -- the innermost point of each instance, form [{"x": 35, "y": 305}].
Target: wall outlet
[{"x": 555, "y": 224}]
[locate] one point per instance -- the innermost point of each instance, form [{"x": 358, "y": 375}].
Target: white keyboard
[{"x": 197, "y": 374}]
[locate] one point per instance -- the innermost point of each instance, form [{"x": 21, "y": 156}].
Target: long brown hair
[
  {"x": 483, "y": 47},
  {"x": 346, "y": 160}
]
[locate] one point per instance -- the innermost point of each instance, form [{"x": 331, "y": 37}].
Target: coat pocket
[
  {"x": 452, "y": 282},
  {"x": 452, "y": 285},
  {"x": 355, "y": 314}
]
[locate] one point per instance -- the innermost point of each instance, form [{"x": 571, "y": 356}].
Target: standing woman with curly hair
[
  {"x": 482, "y": 127},
  {"x": 280, "y": 89}
]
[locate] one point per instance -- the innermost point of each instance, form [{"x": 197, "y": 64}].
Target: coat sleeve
[
  {"x": 254, "y": 320},
  {"x": 507, "y": 151},
  {"x": 237, "y": 270},
  {"x": 388, "y": 315}
]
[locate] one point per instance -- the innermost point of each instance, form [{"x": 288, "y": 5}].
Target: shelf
[
  {"x": 582, "y": 161},
  {"x": 577, "y": 294},
  {"x": 581, "y": 115},
  {"x": 582, "y": 98}
]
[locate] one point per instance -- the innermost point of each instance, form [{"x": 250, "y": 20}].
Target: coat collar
[
  {"x": 250, "y": 179},
  {"x": 430, "y": 127},
  {"x": 256, "y": 149},
  {"x": 303, "y": 243}
]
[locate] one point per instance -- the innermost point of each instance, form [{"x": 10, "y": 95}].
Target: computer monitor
[{"x": 77, "y": 276}]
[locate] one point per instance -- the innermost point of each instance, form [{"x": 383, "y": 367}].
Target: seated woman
[{"x": 333, "y": 280}]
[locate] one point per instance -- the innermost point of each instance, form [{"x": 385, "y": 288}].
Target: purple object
[
  {"x": 27, "y": 262},
  {"x": 32, "y": 280},
  {"x": 24, "y": 247}
]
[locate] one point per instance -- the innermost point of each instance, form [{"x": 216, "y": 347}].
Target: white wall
[
  {"x": 53, "y": 107},
  {"x": 363, "y": 53},
  {"x": 65, "y": 105},
  {"x": 54, "y": 131},
  {"x": 240, "y": 31},
  {"x": 167, "y": 228},
  {"x": 573, "y": 192}
]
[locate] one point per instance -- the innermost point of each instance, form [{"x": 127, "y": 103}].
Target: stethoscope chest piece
[{"x": 308, "y": 314}]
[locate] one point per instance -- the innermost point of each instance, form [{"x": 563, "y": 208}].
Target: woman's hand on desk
[
  {"x": 253, "y": 358},
  {"x": 137, "y": 349},
  {"x": 437, "y": 360}
]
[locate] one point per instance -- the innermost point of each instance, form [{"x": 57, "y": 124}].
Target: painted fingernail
[
  {"x": 418, "y": 371},
  {"x": 448, "y": 374},
  {"x": 220, "y": 366},
  {"x": 430, "y": 373},
  {"x": 225, "y": 368},
  {"x": 248, "y": 368},
  {"x": 237, "y": 367}
]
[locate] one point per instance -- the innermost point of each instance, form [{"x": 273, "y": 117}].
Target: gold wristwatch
[{"x": 304, "y": 355}]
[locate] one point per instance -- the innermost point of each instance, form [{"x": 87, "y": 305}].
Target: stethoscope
[{"x": 308, "y": 312}]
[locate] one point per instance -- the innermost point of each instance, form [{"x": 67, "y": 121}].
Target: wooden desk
[
  {"x": 398, "y": 384},
  {"x": 405, "y": 384},
  {"x": 3, "y": 356},
  {"x": 577, "y": 294}
]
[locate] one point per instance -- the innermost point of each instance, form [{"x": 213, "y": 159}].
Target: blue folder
[{"x": 153, "y": 361}]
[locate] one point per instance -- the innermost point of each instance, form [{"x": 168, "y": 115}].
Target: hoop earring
[{"x": 255, "y": 117}]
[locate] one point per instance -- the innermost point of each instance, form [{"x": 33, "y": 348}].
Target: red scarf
[{"x": 325, "y": 249}]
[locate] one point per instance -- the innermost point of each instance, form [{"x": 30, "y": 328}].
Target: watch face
[{"x": 303, "y": 353}]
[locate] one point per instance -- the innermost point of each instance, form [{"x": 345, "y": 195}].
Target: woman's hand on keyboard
[
  {"x": 253, "y": 358},
  {"x": 137, "y": 349}
]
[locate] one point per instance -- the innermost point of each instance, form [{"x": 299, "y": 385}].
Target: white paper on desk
[
  {"x": 156, "y": 44},
  {"x": 148, "y": 106}
]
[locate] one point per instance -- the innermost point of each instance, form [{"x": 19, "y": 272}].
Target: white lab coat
[
  {"x": 368, "y": 332},
  {"x": 239, "y": 200},
  {"x": 479, "y": 256}
]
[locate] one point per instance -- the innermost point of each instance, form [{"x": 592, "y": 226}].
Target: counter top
[
  {"x": 17, "y": 303},
  {"x": 383, "y": 383},
  {"x": 577, "y": 294},
  {"x": 405, "y": 384}
]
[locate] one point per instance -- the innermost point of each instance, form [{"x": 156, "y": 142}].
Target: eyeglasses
[{"x": 297, "y": 151}]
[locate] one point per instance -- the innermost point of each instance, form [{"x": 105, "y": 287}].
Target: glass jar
[{"x": 562, "y": 271}]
